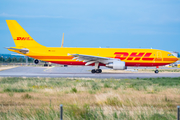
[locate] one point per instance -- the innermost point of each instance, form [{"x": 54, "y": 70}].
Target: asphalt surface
[{"x": 76, "y": 72}]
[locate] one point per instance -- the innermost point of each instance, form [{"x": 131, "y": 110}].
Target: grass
[
  {"x": 17, "y": 90},
  {"x": 26, "y": 96},
  {"x": 113, "y": 101},
  {"x": 87, "y": 99},
  {"x": 74, "y": 90}
]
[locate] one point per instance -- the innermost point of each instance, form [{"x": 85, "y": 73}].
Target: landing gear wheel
[
  {"x": 98, "y": 71},
  {"x": 93, "y": 71},
  {"x": 45, "y": 65},
  {"x": 36, "y": 61},
  {"x": 156, "y": 71}
]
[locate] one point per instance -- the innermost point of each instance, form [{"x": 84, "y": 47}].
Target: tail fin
[
  {"x": 21, "y": 38},
  {"x": 62, "y": 40}
]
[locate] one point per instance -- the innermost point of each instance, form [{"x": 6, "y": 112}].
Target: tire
[
  {"x": 45, "y": 65},
  {"x": 98, "y": 71},
  {"x": 93, "y": 71},
  {"x": 36, "y": 61},
  {"x": 156, "y": 71}
]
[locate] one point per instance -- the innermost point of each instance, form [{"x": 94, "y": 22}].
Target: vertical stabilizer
[
  {"x": 62, "y": 40},
  {"x": 21, "y": 38}
]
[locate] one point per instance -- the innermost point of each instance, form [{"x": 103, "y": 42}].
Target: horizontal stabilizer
[{"x": 24, "y": 50}]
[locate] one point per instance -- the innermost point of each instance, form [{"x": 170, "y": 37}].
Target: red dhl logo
[
  {"x": 23, "y": 38},
  {"x": 133, "y": 56}
]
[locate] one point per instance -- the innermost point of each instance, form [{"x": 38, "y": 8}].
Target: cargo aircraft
[{"x": 115, "y": 58}]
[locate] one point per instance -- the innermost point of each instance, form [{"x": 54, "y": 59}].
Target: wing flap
[
  {"x": 91, "y": 59},
  {"x": 91, "y": 62}
]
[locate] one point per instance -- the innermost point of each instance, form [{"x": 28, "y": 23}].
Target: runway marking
[{"x": 49, "y": 68}]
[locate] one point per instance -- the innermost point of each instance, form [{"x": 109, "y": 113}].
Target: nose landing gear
[{"x": 156, "y": 71}]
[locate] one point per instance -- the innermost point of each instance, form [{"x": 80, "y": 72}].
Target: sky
[{"x": 95, "y": 23}]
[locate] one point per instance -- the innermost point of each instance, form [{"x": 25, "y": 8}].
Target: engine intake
[{"x": 117, "y": 65}]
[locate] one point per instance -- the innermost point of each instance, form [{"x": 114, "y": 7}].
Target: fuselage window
[{"x": 170, "y": 55}]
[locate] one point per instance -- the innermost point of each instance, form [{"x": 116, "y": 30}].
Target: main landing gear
[
  {"x": 156, "y": 71},
  {"x": 96, "y": 70},
  {"x": 47, "y": 64}
]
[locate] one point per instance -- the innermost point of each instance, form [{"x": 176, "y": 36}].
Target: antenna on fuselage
[{"x": 62, "y": 40}]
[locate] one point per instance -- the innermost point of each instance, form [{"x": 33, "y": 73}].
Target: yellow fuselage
[{"x": 132, "y": 57}]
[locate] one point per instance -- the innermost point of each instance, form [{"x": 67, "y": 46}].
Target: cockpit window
[{"x": 170, "y": 55}]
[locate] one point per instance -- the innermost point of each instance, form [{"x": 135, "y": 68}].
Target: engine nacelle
[
  {"x": 117, "y": 65},
  {"x": 36, "y": 61}
]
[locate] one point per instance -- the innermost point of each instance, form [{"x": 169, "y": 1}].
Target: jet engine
[
  {"x": 117, "y": 65},
  {"x": 36, "y": 61}
]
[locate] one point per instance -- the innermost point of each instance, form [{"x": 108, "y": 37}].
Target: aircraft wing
[
  {"x": 24, "y": 50},
  {"x": 92, "y": 59}
]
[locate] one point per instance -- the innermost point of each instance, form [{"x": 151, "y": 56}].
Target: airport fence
[{"x": 178, "y": 112}]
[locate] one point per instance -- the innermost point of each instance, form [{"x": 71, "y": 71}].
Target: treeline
[{"x": 15, "y": 60}]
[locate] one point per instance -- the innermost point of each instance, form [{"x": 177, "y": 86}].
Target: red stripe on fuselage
[
  {"x": 137, "y": 57},
  {"x": 127, "y": 63},
  {"x": 170, "y": 59},
  {"x": 158, "y": 59},
  {"x": 145, "y": 64},
  {"x": 52, "y": 57},
  {"x": 73, "y": 63}
]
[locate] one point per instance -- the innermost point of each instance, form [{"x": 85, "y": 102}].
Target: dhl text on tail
[{"x": 115, "y": 58}]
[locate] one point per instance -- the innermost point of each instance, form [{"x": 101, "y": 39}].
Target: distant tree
[
  {"x": 8, "y": 60},
  {"x": 1, "y": 59},
  {"x": 30, "y": 60},
  {"x": 21, "y": 60},
  {"x": 24, "y": 60},
  {"x": 14, "y": 59}
]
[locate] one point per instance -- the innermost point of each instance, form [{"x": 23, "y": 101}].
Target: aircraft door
[{"x": 158, "y": 56}]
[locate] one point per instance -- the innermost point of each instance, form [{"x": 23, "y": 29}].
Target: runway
[{"x": 75, "y": 72}]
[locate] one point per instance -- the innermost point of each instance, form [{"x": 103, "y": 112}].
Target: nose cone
[{"x": 176, "y": 59}]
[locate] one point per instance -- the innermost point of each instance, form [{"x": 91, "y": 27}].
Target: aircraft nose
[{"x": 176, "y": 59}]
